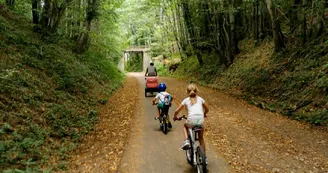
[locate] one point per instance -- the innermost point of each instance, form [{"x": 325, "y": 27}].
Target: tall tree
[
  {"x": 10, "y": 3},
  {"x": 35, "y": 13},
  {"x": 52, "y": 14},
  {"x": 91, "y": 13},
  {"x": 276, "y": 30}
]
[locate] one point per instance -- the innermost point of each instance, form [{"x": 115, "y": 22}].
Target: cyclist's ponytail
[{"x": 192, "y": 90}]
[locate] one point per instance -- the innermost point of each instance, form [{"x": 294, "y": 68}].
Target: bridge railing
[{"x": 139, "y": 47}]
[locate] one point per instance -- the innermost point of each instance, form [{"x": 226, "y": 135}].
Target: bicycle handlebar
[{"x": 181, "y": 117}]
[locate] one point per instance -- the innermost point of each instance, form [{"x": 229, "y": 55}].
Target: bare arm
[
  {"x": 146, "y": 71},
  {"x": 206, "y": 109},
  {"x": 154, "y": 100},
  {"x": 176, "y": 112}
]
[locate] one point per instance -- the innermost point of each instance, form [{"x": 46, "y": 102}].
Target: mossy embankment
[
  {"x": 48, "y": 95},
  {"x": 293, "y": 82}
]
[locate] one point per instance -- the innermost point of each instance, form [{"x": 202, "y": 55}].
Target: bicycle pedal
[{"x": 186, "y": 147}]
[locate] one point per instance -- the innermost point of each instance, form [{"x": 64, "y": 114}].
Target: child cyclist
[
  {"x": 164, "y": 102},
  {"x": 197, "y": 110}
]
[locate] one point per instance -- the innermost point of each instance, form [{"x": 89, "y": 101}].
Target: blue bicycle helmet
[{"x": 161, "y": 87}]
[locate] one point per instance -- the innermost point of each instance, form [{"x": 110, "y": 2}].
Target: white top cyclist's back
[{"x": 195, "y": 109}]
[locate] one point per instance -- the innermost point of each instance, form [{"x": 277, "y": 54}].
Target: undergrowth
[
  {"x": 161, "y": 69},
  {"x": 48, "y": 96}
]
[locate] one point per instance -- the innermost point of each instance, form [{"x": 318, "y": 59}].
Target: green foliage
[
  {"x": 322, "y": 82},
  {"x": 162, "y": 70},
  {"x": 22, "y": 8},
  {"x": 189, "y": 68},
  {"x": 157, "y": 49},
  {"x": 105, "y": 68},
  {"x": 139, "y": 22},
  {"x": 319, "y": 117},
  {"x": 134, "y": 64},
  {"x": 22, "y": 147},
  {"x": 207, "y": 73},
  {"x": 48, "y": 95},
  {"x": 27, "y": 170}
]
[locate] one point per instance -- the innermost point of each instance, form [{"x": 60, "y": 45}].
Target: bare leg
[
  {"x": 158, "y": 113},
  {"x": 185, "y": 132},
  {"x": 201, "y": 139}
]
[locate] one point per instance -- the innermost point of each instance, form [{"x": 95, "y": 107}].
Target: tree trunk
[
  {"x": 35, "y": 13},
  {"x": 262, "y": 21},
  {"x": 245, "y": 21},
  {"x": 277, "y": 34},
  {"x": 236, "y": 22},
  {"x": 46, "y": 14},
  {"x": 255, "y": 20},
  {"x": 321, "y": 16},
  {"x": 176, "y": 30},
  {"x": 10, "y": 3},
  {"x": 199, "y": 58},
  {"x": 293, "y": 18},
  {"x": 83, "y": 41},
  {"x": 52, "y": 14},
  {"x": 183, "y": 37}
]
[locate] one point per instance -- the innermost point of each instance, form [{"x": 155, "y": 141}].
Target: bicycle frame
[
  {"x": 162, "y": 116},
  {"x": 197, "y": 157},
  {"x": 163, "y": 121},
  {"x": 195, "y": 143},
  {"x": 196, "y": 153}
]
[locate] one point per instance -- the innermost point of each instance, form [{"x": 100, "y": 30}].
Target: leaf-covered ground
[
  {"x": 254, "y": 140},
  {"x": 102, "y": 149}
]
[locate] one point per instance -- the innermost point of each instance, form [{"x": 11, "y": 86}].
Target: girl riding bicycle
[{"x": 197, "y": 110}]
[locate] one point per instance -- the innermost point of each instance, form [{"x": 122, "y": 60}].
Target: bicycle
[
  {"x": 163, "y": 121},
  {"x": 195, "y": 153}
]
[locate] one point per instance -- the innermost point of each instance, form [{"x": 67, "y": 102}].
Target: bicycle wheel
[
  {"x": 200, "y": 159},
  {"x": 189, "y": 152},
  {"x": 164, "y": 125}
]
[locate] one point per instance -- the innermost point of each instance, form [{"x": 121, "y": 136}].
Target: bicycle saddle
[{"x": 197, "y": 129}]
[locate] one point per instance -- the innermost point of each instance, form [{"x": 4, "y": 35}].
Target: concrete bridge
[{"x": 146, "y": 59}]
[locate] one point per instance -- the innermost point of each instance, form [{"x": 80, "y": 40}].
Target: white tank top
[{"x": 195, "y": 109}]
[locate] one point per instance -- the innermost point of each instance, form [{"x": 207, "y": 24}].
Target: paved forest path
[
  {"x": 240, "y": 137},
  {"x": 150, "y": 150}
]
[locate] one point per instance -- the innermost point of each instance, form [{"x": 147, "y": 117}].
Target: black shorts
[{"x": 166, "y": 110}]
